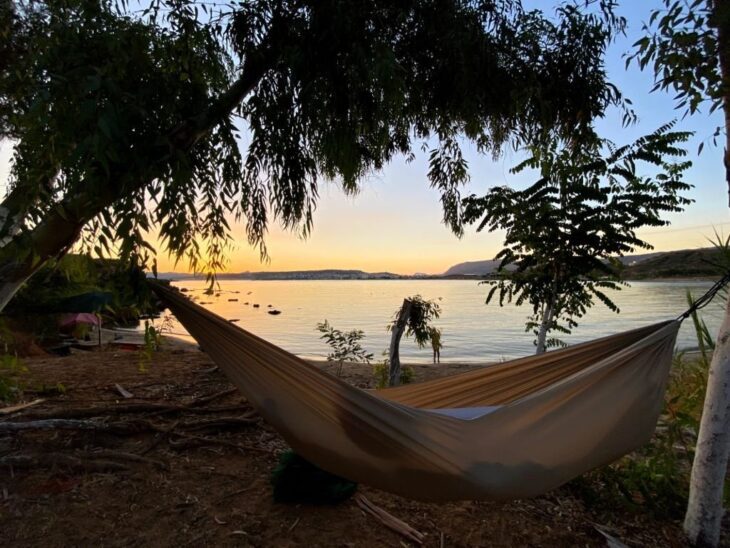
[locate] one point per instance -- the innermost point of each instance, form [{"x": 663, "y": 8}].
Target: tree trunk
[
  {"x": 547, "y": 319},
  {"x": 704, "y": 507},
  {"x": 394, "y": 352}
]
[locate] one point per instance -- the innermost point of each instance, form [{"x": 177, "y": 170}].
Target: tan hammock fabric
[{"x": 557, "y": 415}]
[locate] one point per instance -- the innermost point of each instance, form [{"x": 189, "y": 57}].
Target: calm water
[{"x": 472, "y": 331}]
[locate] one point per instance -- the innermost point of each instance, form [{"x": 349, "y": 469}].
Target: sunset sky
[{"x": 394, "y": 224}]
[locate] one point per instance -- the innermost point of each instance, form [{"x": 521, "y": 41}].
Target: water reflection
[{"x": 472, "y": 331}]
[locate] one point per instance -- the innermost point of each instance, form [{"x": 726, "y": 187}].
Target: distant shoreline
[{"x": 183, "y": 278}]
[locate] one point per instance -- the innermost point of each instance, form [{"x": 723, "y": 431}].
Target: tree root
[
  {"x": 51, "y": 460},
  {"x": 220, "y": 424},
  {"x": 121, "y": 455},
  {"x": 125, "y": 427},
  {"x": 187, "y": 441},
  {"x": 209, "y": 398},
  {"x": 129, "y": 408},
  {"x": 68, "y": 424}
]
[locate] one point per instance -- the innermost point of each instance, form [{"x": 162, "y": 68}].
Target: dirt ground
[{"x": 186, "y": 462}]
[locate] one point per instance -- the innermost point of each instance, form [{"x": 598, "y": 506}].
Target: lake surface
[{"x": 472, "y": 331}]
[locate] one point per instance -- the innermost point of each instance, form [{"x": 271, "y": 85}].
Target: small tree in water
[
  {"x": 565, "y": 232},
  {"x": 413, "y": 318}
]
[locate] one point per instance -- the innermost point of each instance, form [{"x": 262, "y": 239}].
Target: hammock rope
[{"x": 703, "y": 301}]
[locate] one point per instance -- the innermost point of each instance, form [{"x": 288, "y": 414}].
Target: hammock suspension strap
[{"x": 706, "y": 298}]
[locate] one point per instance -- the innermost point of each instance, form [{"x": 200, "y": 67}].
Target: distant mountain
[
  {"x": 686, "y": 263},
  {"x": 327, "y": 274},
  {"x": 473, "y": 268},
  {"x": 669, "y": 264}
]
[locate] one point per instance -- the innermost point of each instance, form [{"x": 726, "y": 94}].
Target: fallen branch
[
  {"x": 122, "y": 428},
  {"x": 126, "y": 394},
  {"x": 52, "y": 424},
  {"x": 59, "y": 459},
  {"x": 389, "y": 520},
  {"x": 129, "y": 408},
  {"x": 85, "y": 412},
  {"x": 205, "y": 371},
  {"x": 19, "y": 407},
  {"x": 209, "y": 398},
  {"x": 220, "y": 424}
]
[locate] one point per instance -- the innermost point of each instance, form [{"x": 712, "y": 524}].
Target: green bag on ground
[{"x": 297, "y": 481}]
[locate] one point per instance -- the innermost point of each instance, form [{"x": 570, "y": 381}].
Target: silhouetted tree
[
  {"x": 126, "y": 118},
  {"x": 564, "y": 232}
]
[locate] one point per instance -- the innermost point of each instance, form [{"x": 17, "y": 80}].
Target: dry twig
[{"x": 389, "y": 520}]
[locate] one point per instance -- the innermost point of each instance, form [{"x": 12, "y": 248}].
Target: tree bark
[
  {"x": 547, "y": 319},
  {"x": 399, "y": 328},
  {"x": 704, "y": 508}
]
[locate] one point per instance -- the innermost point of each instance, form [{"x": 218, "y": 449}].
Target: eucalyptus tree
[
  {"x": 687, "y": 46},
  {"x": 179, "y": 115},
  {"x": 564, "y": 232}
]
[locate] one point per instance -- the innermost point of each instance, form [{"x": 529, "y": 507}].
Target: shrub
[
  {"x": 345, "y": 345},
  {"x": 381, "y": 371}
]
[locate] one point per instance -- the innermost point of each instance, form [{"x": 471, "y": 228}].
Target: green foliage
[
  {"x": 705, "y": 342},
  {"x": 346, "y": 346},
  {"x": 563, "y": 232},
  {"x": 297, "y": 481},
  {"x": 418, "y": 322},
  {"x": 123, "y": 114},
  {"x": 656, "y": 477},
  {"x": 11, "y": 368},
  {"x": 681, "y": 48},
  {"x": 381, "y": 372},
  {"x": 74, "y": 274},
  {"x": 11, "y": 371},
  {"x": 152, "y": 341}
]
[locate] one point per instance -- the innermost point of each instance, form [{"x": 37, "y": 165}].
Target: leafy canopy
[
  {"x": 563, "y": 233},
  {"x": 421, "y": 313},
  {"x": 681, "y": 47},
  {"x": 182, "y": 114}
]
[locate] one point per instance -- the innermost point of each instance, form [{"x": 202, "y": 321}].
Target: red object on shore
[{"x": 70, "y": 320}]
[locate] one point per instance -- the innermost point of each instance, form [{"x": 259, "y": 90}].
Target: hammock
[{"x": 511, "y": 430}]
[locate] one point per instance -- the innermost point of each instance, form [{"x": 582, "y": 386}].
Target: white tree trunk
[
  {"x": 547, "y": 318},
  {"x": 704, "y": 508}
]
